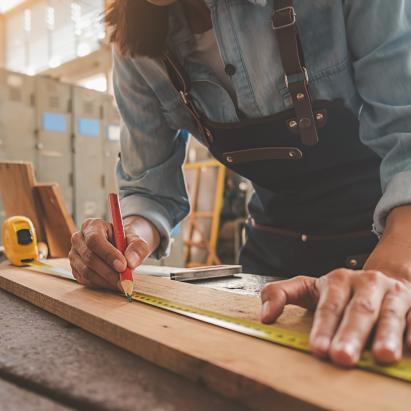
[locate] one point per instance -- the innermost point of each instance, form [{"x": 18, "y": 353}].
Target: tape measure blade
[
  {"x": 274, "y": 334},
  {"x": 49, "y": 269},
  {"x": 248, "y": 327},
  {"x": 401, "y": 370},
  {"x": 278, "y": 335}
]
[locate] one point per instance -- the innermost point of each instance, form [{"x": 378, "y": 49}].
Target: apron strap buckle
[
  {"x": 279, "y": 18},
  {"x": 295, "y": 72},
  {"x": 305, "y": 73}
]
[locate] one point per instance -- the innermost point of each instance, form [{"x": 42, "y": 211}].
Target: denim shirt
[{"x": 355, "y": 50}]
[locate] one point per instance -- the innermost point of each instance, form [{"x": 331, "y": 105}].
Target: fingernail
[
  {"x": 386, "y": 350},
  {"x": 118, "y": 266},
  {"x": 322, "y": 344},
  {"x": 390, "y": 345},
  {"x": 133, "y": 259},
  {"x": 349, "y": 350},
  {"x": 266, "y": 310}
]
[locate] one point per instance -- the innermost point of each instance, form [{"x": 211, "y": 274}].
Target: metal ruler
[{"x": 41, "y": 266}]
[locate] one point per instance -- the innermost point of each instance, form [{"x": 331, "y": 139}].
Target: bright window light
[
  {"x": 97, "y": 82},
  {"x": 27, "y": 20},
  {"x": 83, "y": 49},
  {"x": 30, "y": 71},
  {"x": 6, "y": 5},
  {"x": 54, "y": 62},
  {"x": 50, "y": 18}
]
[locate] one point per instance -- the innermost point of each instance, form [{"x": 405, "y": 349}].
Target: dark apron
[{"x": 316, "y": 185}]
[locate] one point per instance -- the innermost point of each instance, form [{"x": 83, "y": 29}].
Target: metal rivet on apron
[
  {"x": 229, "y": 159},
  {"x": 229, "y": 70},
  {"x": 305, "y": 122},
  {"x": 300, "y": 96},
  {"x": 304, "y": 238},
  {"x": 353, "y": 262},
  {"x": 292, "y": 124},
  {"x": 319, "y": 116}
]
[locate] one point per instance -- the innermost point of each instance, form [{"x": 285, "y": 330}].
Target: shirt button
[{"x": 229, "y": 70}]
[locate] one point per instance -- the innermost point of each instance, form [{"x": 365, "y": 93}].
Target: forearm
[{"x": 392, "y": 255}]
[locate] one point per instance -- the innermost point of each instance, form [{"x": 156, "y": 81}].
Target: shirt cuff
[
  {"x": 135, "y": 205},
  {"x": 396, "y": 194}
]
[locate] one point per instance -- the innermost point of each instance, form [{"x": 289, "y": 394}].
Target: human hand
[
  {"x": 347, "y": 306},
  {"x": 94, "y": 259}
]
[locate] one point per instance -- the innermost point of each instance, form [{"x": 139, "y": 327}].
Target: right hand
[{"x": 96, "y": 262}]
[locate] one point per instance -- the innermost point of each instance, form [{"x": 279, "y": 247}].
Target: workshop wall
[{"x": 68, "y": 132}]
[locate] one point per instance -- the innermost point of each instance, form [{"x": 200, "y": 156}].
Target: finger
[
  {"x": 75, "y": 260},
  {"x": 137, "y": 251},
  {"x": 388, "y": 342},
  {"x": 97, "y": 235},
  {"x": 96, "y": 264},
  {"x": 76, "y": 239},
  {"x": 369, "y": 288},
  {"x": 298, "y": 290},
  {"x": 335, "y": 292},
  {"x": 408, "y": 337},
  {"x": 86, "y": 276}
]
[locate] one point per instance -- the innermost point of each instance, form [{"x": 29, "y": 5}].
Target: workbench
[
  {"x": 70, "y": 367},
  {"x": 47, "y": 364}
]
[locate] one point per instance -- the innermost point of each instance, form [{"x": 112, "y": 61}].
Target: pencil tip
[{"x": 129, "y": 297}]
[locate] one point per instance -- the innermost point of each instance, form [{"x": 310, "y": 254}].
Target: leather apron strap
[
  {"x": 182, "y": 84},
  {"x": 296, "y": 76}
]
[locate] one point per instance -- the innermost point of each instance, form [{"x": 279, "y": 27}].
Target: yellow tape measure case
[{"x": 19, "y": 240}]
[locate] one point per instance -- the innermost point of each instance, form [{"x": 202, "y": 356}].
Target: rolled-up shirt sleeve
[
  {"x": 379, "y": 36},
  {"x": 149, "y": 172}
]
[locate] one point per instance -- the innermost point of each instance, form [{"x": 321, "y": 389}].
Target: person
[{"x": 311, "y": 101}]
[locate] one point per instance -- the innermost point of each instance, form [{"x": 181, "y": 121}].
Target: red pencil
[{"x": 126, "y": 277}]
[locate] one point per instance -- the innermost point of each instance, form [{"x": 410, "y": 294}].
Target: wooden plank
[
  {"x": 259, "y": 374},
  {"x": 57, "y": 221},
  {"x": 16, "y": 187}
]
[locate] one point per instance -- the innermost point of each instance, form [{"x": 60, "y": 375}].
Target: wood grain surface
[
  {"x": 16, "y": 187},
  {"x": 57, "y": 221},
  {"x": 260, "y": 374}
]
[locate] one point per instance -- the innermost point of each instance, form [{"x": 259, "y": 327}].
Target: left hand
[{"x": 348, "y": 305}]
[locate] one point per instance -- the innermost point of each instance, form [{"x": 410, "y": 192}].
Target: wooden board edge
[
  {"x": 58, "y": 236},
  {"x": 27, "y": 170},
  {"x": 245, "y": 391}
]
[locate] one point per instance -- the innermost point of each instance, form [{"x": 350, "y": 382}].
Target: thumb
[
  {"x": 137, "y": 251},
  {"x": 275, "y": 296}
]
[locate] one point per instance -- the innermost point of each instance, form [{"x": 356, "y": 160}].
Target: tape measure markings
[
  {"x": 248, "y": 327},
  {"x": 20, "y": 243},
  {"x": 275, "y": 334},
  {"x": 270, "y": 333}
]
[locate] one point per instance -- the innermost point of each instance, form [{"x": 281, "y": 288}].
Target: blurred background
[
  {"x": 64, "y": 39},
  {"x": 57, "y": 112}
]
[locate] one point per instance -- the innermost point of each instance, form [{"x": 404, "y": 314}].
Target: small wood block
[
  {"x": 57, "y": 221},
  {"x": 16, "y": 187}
]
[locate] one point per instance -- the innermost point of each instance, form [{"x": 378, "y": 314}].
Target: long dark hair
[{"x": 137, "y": 27}]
